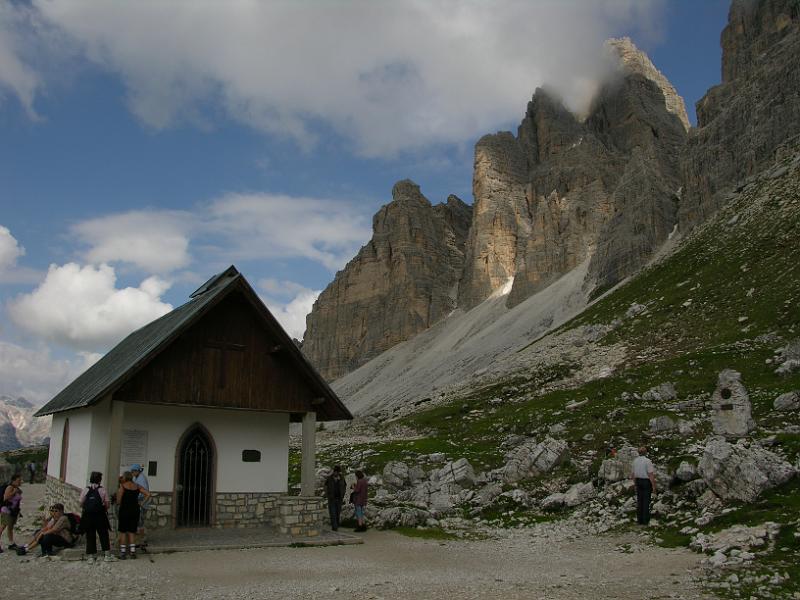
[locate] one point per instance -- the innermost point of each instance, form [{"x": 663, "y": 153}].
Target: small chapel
[{"x": 202, "y": 398}]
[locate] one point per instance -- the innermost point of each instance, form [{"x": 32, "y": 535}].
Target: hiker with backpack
[
  {"x": 9, "y": 513},
  {"x": 94, "y": 517}
]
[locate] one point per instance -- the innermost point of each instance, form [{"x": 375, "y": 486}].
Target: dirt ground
[{"x": 387, "y": 566}]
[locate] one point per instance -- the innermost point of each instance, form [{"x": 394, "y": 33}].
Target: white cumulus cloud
[
  {"x": 290, "y": 303},
  {"x": 10, "y": 250},
  {"x": 82, "y": 308},
  {"x": 276, "y": 226},
  {"x": 389, "y": 76},
  {"x": 155, "y": 241},
  {"x": 35, "y": 374}
]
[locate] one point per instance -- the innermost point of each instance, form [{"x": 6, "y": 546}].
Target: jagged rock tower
[
  {"x": 402, "y": 282},
  {"x": 561, "y": 192}
]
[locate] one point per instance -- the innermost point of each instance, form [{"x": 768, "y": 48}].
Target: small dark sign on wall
[
  {"x": 152, "y": 468},
  {"x": 251, "y": 456}
]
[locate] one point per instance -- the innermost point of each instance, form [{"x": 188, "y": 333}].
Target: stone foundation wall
[
  {"x": 237, "y": 510},
  {"x": 246, "y": 510},
  {"x": 56, "y": 490},
  {"x": 300, "y": 516}
]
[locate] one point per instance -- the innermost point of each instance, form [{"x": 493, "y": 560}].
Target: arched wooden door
[{"x": 194, "y": 492}]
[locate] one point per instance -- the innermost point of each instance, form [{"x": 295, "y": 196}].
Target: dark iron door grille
[{"x": 194, "y": 481}]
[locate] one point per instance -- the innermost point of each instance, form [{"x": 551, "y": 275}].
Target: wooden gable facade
[{"x": 230, "y": 358}]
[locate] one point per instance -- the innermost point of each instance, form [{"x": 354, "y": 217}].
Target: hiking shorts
[{"x": 7, "y": 519}]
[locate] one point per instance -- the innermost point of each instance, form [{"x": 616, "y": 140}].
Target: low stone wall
[
  {"x": 56, "y": 490},
  {"x": 246, "y": 510},
  {"x": 238, "y": 510},
  {"x": 300, "y": 516}
]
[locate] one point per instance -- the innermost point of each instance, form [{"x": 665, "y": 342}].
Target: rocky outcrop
[
  {"x": 564, "y": 191},
  {"x": 532, "y": 459},
  {"x": 730, "y": 405},
  {"x": 743, "y": 120},
  {"x": 742, "y": 472},
  {"x": 402, "y": 282}
]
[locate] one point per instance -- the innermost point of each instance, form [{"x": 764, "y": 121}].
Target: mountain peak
[{"x": 634, "y": 61}]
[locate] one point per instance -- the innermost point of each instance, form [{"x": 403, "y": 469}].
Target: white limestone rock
[
  {"x": 662, "y": 424},
  {"x": 686, "y": 471},
  {"x": 787, "y": 402},
  {"x": 665, "y": 392},
  {"x": 553, "y": 501},
  {"x": 459, "y": 472},
  {"x": 529, "y": 460},
  {"x": 738, "y": 472},
  {"x": 578, "y": 494},
  {"x": 730, "y": 405},
  {"x": 396, "y": 475}
]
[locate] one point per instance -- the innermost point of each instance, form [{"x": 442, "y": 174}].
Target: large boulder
[
  {"x": 579, "y": 493},
  {"x": 739, "y": 472},
  {"x": 730, "y": 405},
  {"x": 661, "y": 393},
  {"x": 531, "y": 459},
  {"x": 788, "y": 401},
  {"x": 396, "y": 475},
  {"x": 618, "y": 468},
  {"x": 686, "y": 471},
  {"x": 400, "y": 516},
  {"x": 440, "y": 498},
  {"x": 662, "y": 424},
  {"x": 458, "y": 472}
]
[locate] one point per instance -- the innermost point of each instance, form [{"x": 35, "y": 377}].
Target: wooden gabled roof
[{"x": 137, "y": 350}]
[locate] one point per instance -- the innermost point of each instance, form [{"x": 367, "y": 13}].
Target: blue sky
[{"x": 145, "y": 146}]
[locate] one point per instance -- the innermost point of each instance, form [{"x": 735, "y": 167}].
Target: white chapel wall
[
  {"x": 232, "y": 432},
  {"x": 78, "y": 450}
]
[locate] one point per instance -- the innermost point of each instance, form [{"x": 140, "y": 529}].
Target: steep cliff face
[
  {"x": 18, "y": 426},
  {"x": 402, "y": 282},
  {"x": 741, "y": 121},
  {"x": 564, "y": 191}
]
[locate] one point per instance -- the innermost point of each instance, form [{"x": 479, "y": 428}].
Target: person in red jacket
[{"x": 360, "y": 500}]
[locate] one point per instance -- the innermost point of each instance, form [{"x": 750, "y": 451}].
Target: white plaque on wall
[{"x": 134, "y": 448}]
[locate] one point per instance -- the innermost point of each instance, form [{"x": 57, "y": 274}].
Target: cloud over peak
[{"x": 387, "y": 76}]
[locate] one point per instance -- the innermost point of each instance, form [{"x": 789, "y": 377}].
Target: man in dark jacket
[{"x": 335, "y": 489}]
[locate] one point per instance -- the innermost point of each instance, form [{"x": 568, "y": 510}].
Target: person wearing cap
[{"x": 140, "y": 479}]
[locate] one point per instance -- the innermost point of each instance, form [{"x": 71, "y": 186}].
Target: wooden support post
[{"x": 309, "y": 455}]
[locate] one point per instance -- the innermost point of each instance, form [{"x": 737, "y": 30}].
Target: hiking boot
[
  {"x": 12, "y": 546},
  {"x": 123, "y": 556},
  {"x": 109, "y": 557},
  {"x": 22, "y": 551}
]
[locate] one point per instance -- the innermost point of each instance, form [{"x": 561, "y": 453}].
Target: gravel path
[{"x": 387, "y": 566}]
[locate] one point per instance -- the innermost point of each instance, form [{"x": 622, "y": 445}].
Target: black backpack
[
  {"x": 93, "y": 503},
  {"x": 74, "y": 524}
]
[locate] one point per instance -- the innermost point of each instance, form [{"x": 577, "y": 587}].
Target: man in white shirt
[{"x": 643, "y": 475}]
